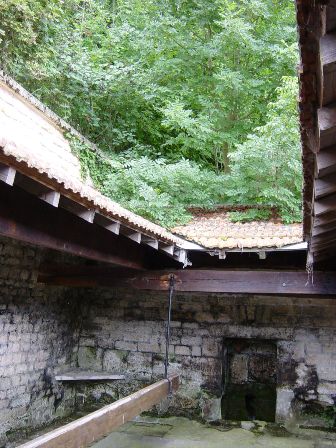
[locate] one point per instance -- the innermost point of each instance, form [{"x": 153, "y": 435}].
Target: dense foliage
[{"x": 192, "y": 101}]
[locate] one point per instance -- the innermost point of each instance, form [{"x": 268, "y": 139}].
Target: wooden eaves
[
  {"x": 34, "y": 209},
  {"x": 317, "y": 74}
]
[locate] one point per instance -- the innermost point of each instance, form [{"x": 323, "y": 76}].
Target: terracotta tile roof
[
  {"x": 33, "y": 136},
  {"x": 215, "y": 231}
]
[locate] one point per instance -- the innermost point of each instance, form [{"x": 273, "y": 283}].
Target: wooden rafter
[
  {"x": 27, "y": 218},
  {"x": 30, "y": 180}
]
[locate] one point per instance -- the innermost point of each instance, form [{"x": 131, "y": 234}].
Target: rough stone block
[
  {"x": 88, "y": 358},
  {"x": 283, "y": 404},
  {"x": 239, "y": 369},
  {"x": 123, "y": 345},
  {"x": 182, "y": 350},
  {"x": 139, "y": 365},
  {"x": 326, "y": 368},
  {"x": 115, "y": 361},
  {"x": 152, "y": 347},
  {"x": 210, "y": 348},
  {"x": 196, "y": 351},
  {"x": 211, "y": 409},
  {"x": 191, "y": 340}
]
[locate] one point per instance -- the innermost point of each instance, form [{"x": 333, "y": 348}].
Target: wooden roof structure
[
  {"x": 317, "y": 105},
  {"x": 42, "y": 192},
  {"x": 45, "y": 201}
]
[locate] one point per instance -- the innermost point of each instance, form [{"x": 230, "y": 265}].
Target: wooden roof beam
[
  {"x": 211, "y": 281},
  {"x": 328, "y": 62},
  {"x": 327, "y": 125},
  {"x": 56, "y": 199}
]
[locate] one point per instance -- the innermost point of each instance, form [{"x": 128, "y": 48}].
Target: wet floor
[{"x": 176, "y": 432}]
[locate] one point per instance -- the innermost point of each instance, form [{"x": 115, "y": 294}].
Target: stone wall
[
  {"x": 38, "y": 334},
  {"x": 48, "y": 329},
  {"x": 124, "y": 331}
]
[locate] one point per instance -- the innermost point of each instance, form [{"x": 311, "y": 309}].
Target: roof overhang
[{"x": 317, "y": 105}]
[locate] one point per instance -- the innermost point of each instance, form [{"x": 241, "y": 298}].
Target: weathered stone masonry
[
  {"x": 124, "y": 332},
  {"x": 38, "y": 334},
  {"x": 44, "y": 330}
]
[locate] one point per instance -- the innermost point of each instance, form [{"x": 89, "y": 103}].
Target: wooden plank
[
  {"x": 327, "y": 125},
  {"x": 214, "y": 281},
  {"x": 182, "y": 256},
  {"x": 35, "y": 222},
  {"x": 331, "y": 16},
  {"x": 51, "y": 197},
  {"x": 328, "y": 62},
  {"x": 94, "y": 426},
  {"x": 324, "y": 186},
  {"x": 169, "y": 249},
  {"x": 108, "y": 224},
  {"x": 130, "y": 233},
  {"x": 77, "y": 209},
  {"x": 323, "y": 241},
  {"x": 319, "y": 253},
  {"x": 328, "y": 51},
  {"x": 89, "y": 275},
  {"x": 78, "y": 375},
  {"x": 319, "y": 230},
  {"x": 135, "y": 236},
  {"x": 150, "y": 242},
  {"x": 324, "y": 254},
  {"x": 326, "y": 161},
  {"x": 325, "y": 205},
  {"x": 7, "y": 174},
  {"x": 325, "y": 219}
]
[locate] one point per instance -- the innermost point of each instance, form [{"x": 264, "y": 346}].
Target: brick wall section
[
  {"x": 124, "y": 332},
  {"x": 37, "y": 335}
]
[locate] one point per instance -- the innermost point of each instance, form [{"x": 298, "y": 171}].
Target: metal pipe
[{"x": 170, "y": 301}]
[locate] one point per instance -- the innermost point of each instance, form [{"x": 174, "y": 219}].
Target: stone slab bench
[{"x": 80, "y": 375}]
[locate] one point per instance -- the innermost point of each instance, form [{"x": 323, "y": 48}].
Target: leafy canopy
[{"x": 175, "y": 92}]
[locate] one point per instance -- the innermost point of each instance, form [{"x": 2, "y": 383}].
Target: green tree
[
  {"x": 266, "y": 168},
  {"x": 179, "y": 81}
]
